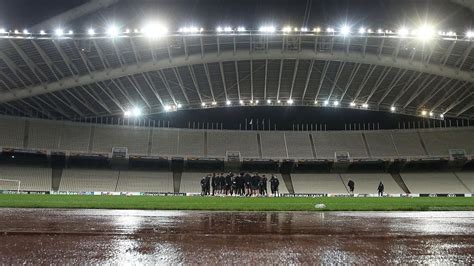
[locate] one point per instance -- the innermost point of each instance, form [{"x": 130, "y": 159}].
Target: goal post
[{"x": 10, "y": 185}]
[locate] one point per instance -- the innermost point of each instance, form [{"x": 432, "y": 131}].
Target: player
[{"x": 380, "y": 189}]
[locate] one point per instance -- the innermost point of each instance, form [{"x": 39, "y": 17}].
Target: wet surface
[{"x": 119, "y": 236}]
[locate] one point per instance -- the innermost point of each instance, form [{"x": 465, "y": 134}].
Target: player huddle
[{"x": 243, "y": 184}]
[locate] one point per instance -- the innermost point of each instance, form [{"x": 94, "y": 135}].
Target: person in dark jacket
[
  {"x": 351, "y": 186},
  {"x": 263, "y": 186},
  {"x": 248, "y": 184},
  {"x": 214, "y": 183},
  {"x": 274, "y": 184},
  {"x": 228, "y": 184},
  {"x": 380, "y": 189},
  {"x": 203, "y": 186}
]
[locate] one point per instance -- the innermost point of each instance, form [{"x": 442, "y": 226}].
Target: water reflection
[{"x": 171, "y": 237}]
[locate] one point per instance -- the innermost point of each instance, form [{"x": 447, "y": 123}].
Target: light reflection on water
[{"x": 176, "y": 237}]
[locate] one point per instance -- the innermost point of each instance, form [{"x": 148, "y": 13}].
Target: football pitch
[{"x": 236, "y": 203}]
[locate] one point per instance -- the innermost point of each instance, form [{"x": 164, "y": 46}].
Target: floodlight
[
  {"x": 304, "y": 29},
  {"x": 70, "y": 32},
  {"x": 345, "y": 30},
  {"x": 361, "y": 30},
  {"x": 330, "y": 29},
  {"x": 113, "y": 31},
  {"x": 127, "y": 31},
  {"x": 219, "y": 29},
  {"x": 228, "y": 29},
  {"x": 403, "y": 32},
  {"x": 326, "y": 102},
  {"x": 228, "y": 102},
  {"x": 425, "y": 32},
  {"x": 365, "y": 105},
  {"x": 431, "y": 114},
  {"x": 286, "y": 29},
  {"x": 240, "y": 29},
  {"x": 315, "y": 102},
  {"x": 59, "y": 32},
  {"x": 25, "y": 31},
  {"x": 42, "y": 32},
  {"x": 278, "y": 101},
  {"x": 470, "y": 34},
  {"x": 336, "y": 103},
  {"x": 241, "y": 102},
  {"x": 257, "y": 101},
  {"x": 393, "y": 108},
  {"x": 154, "y": 30},
  {"x": 441, "y": 115},
  {"x": 318, "y": 29},
  {"x": 423, "y": 112},
  {"x": 370, "y": 31},
  {"x": 16, "y": 31},
  {"x": 251, "y": 101},
  {"x": 379, "y": 31},
  {"x": 127, "y": 113},
  {"x": 136, "y": 112},
  {"x": 167, "y": 108},
  {"x": 352, "y": 104},
  {"x": 214, "y": 103},
  {"x": 290, "y": 101},
  {"x": 91, "y": 31},
  {"x": 269, "y": 101},
  {"x": 267, "y": 29}
]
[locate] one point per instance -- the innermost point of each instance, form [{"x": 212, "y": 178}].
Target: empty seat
[
  {"x": 191, "y": 143},
  {"x": 191, "y": 182},
  {"x": 134, "y": 138},
  {"x": 145, "y": 181},
  {"x": 317, "y": 183},
  {"x": 468, "y": 179},
  {"x": 218, "y": 142},
  {"x": 439, "y": 142},
  {"x": 327, "y": 144},
  {"x": 380, "y": 144},
  {"x": 12, "y": 132},
  {"x": 408, "y": 143},
  {"x": 273, "y": 144},
  {"x": 164, "y": 142},
  {"x": 368, "y": 183},
  {"x": 44, "y": 134},
  {"x": 75, "y": 137},
  {"x": 88, "y": 180},
  {"x": 427, "y": 183},
  {"x": 32, "y": 178},
  {"x": 299, "y": 145}
]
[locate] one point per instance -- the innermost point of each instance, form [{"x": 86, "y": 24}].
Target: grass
[{"x": 234, "y": 204}]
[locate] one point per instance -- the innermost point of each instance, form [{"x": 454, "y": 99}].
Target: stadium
[{"x": 186, "y": 132}]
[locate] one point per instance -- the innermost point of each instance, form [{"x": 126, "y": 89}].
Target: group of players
[{"x": 243, "y": 184}]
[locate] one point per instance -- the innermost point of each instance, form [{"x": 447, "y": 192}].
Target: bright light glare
[
  {"x": 257, "y": 101},
  {"x": 278, "y": 101},
  {"x": 240, "y": 29},
  {"x": 91, "y": 31},
  {"x": 268, "y": 29},
  {"x": 361, "y": 30},
  {"x": 393, "y": 108},
  {"x": 286, "y": 29},
  {"x": 25, "y": 31},
  {"x": 345, "y": 30},
  {"x": 167, "y": 108},
  {"x": 127, "y": 113},
  {"x": 431, "y": 114},
  {"x": 179, "y": 105},
  {"x": 228, "y": 102},
  {"x": 423, "y": 112},
  {"x": 403, "y": 32},
  {"x": 441, "y": 115},
  {"x": 219, "y": 29},
  {"x": 59, "y": 32},
  {"x": 214, "y": 103},
  {"x": 379, "y": 31},
  {"x": 290, "y": 101},
  {"x": 203, "y": 104},
  {"x": 365, "y": 105},
  {"x": 304, "y": 29},
  {"x": 470, "y": 34},
  {"x": 241, "y": 102},
  {"x": 228, "y": 29},
  {"x": 113, "y": 31},
  {"x": 330, "y": 30},
  {"x": 3, "y": 30},
  {"x": 352, "y": 104},
  {"x": 326, "y": 102},
  {"x": 154, "y": 30},
  {"x": 269, "y": 101},
  {"x": 336, "y": 103},
  {"x": 191, "y": 29},
  {"x": 425, "y": 32},
  {"x": 42, "y": 32},
  {"x": 318, "y": 29},
  {"x": 315, "y": 102},
  {"x": 136, "y": 112}
]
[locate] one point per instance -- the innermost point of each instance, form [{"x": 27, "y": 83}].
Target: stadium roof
[{"x": 58, "y": 74}]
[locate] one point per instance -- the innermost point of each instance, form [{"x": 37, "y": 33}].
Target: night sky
[{"x": 391, "y": 14}]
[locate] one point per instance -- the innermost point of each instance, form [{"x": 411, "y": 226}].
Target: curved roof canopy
[{"x": 78, "y": 76}]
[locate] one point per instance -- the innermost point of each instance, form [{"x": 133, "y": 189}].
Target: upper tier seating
[
  {"x": 380, "y": 144},
  {"x": 408, "y": 143},
  {"x": 438, "y": 143},
  {"x": 107, "y": 137},
  {"x": 299, "y": 145},
  {"x": 273, "y": 145},
  {"x": 218, "y": 142},
  {"x": 12, "y": 132},
  {"x": 327, "y": 143}
]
